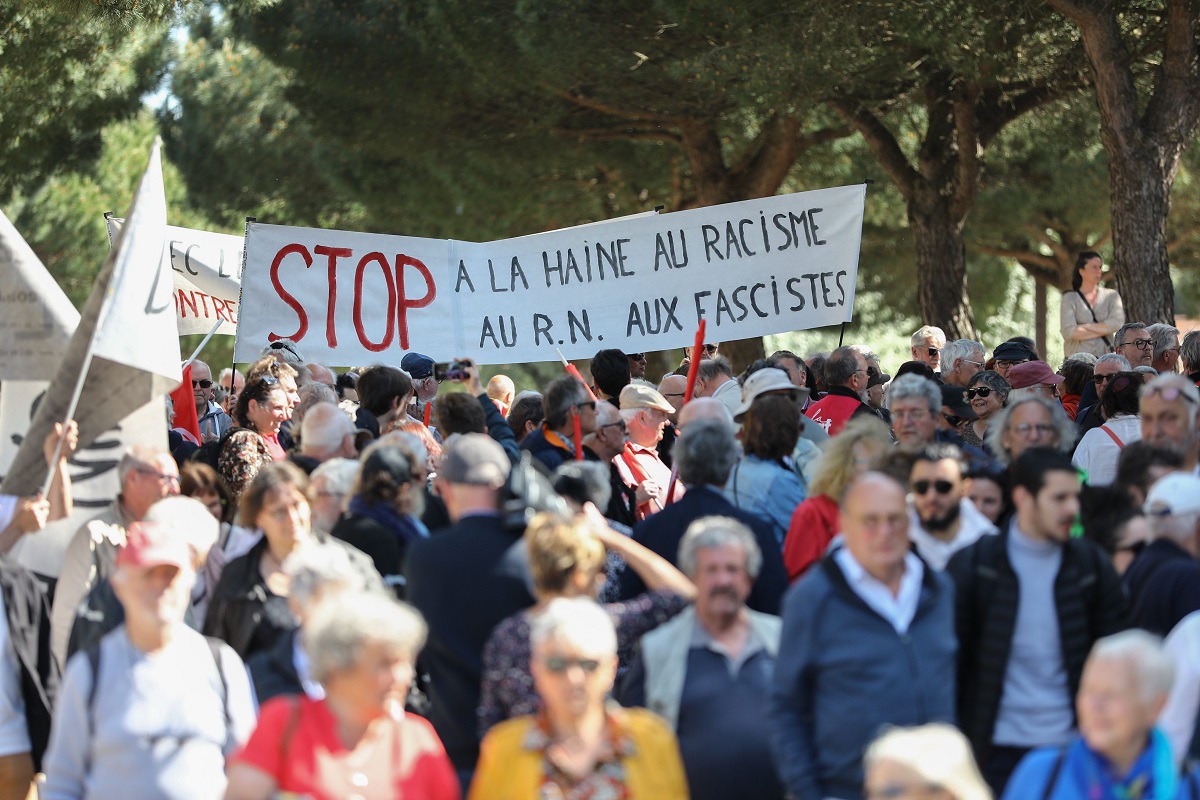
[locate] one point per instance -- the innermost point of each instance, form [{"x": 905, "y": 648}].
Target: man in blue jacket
[{"x": 868, "y": 640}]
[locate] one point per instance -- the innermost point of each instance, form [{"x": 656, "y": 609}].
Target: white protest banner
[
  {"x": 93, "y": 469},
  {"x": 206, "y": 268},
  {"x": 125, "y": 349},
  {"x": 36, "y": 318},
  {"x": 751, "y": 268}
]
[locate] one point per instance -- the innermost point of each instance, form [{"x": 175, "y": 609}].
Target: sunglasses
[
  {"x": 923, "y": 487},
  {"x": 560, "y": 664},
  {"x": 1168, "y": 393},
  {"x": 201, "y": 384},
  {"x": 982, "y": 391},
  {"x": 953, "y": 421},
  {"x": 933, "y": 351},
  {"x": 710, "y": 348},
  {"x": 285, "y": 346},
  {"x": 620, "y": 425},
  {"x": 1099, "y": 379},
  {"x": 637, "y": 356},
  {"x": 589, "y": 404}
]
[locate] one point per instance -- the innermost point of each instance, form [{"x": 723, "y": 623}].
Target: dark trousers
[{"x": 1001, "y": 763}]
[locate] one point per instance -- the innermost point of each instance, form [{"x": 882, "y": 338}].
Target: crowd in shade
[{"x": 971, "y": 575}]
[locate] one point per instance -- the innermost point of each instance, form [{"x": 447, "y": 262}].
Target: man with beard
[
  {"x": 941, "y": 518},
  {"x": 1167, "y": 408},
  {"x": 1030, "y": 603}
]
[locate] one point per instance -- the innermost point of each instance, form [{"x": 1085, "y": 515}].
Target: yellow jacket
[{"x": 509, "y": 771}]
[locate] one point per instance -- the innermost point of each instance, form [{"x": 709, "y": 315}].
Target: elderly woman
[
  {"x": 1119, "y": 752},
  {"x": 579, "y": 745},
  {"x": 987, "y": 393},
  {"x": 315, "y": 573},
  {"x": 261, "y": 410},
  {"x": 762, "y": 481},
  {"x": 249, "y": 606},
  {"x": 1029, "y": 422},
  {"x": 357, "y": 741},
  {"x": 816, "y": 521},
  {"x": 566, "y": 559},
  {"x": 381, "y": 517},
  {"x": 932, "y": 761},
  {"x": 1100, "y": 448}
]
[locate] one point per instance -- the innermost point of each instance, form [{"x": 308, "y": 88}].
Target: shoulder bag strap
[
  {"x": 1113, "y": 436},
  {"x": 1053, "y": 779},
  {"x": 1107, "y": 343}
]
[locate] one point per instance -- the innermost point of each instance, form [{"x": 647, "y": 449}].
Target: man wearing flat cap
[
  {"x": 1009, "y": 354},
  {"x": 425, "y": 385},
  {"x": 465, "y": 581},
  {"x": 646, "y": 413}
]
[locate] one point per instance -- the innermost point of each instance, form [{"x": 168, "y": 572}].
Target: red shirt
[
  {"x": 814, "y": 524},
  {"x": 396, "y": 759}
]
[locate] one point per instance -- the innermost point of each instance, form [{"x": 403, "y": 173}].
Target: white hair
[
  {"x": 577, "y": 622},
  {"x": 325, "y": 426},
  {"x": 338, "y": 473},
  {"x": 708, "y": 532},
  {"x": 937, "y": 752},
  {"x": 927, "y": 330},
  {"x": 341, "y": 625},
  {"x": 316, "y": 567},
  {"x": 1115, "y": 358},
  {"x": 1153, "y": 669}
]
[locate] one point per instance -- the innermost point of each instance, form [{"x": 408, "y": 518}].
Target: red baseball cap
[{"x": 149, "y": 544}]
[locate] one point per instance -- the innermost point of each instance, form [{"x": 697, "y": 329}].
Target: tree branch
[
  {"x": 881, "y": 142},
  {"x": 1174, "y": 105},
  {"x": 583, "y": 101},
  {"x": 622, "y": 132}
]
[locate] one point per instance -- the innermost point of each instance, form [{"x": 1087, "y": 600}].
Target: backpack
[{"x": 210, "y": 452}]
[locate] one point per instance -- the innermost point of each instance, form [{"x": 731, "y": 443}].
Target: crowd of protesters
[{"x": 975, "y": 577}]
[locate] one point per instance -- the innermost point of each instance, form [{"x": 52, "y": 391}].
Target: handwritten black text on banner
[{"x": 752, "y": 268}]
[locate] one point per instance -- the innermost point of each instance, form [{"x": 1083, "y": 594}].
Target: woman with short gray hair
[
  {"x": 987, "y": 393},
  {"x": 357, "y": 741}
]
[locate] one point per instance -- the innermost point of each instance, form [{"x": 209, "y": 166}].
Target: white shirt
[
  {"x": 972, "y": 527},
  {"x": 1178, "y": 718},
  {"x": 8, "y": 509},
  {"x": 1097, "y": 453},
  {"x": 730, "y": 395},
  {"x": 898, "y": 609}
]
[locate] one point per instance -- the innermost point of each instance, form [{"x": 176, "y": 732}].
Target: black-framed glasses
[
  {"x": 586, "y": 404},
  {"x": 933, "y": 351},
  {"x": 978, "y": 391},
  {"x": 201, "y": 384},
  {"x": 636, "y": 356},
  {"x": 1099, "y": 379},
  {"x": 710, "y": 349},
  {"x": 923, "y": 487},
  {"x": 620, "y": 425},
  {"x": 1009, "y": 363},
  {"x": 280, "y": 345},
  {"x": 1140, "y": 344},
  {"x": 560, "y": 664},
  {"x": 952, "y": 420}
]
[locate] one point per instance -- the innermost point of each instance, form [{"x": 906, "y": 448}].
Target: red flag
[{"x": 185, "y": 405}]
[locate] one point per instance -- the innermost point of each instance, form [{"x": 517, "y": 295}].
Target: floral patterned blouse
[
  {"x": 606, "y": 782},
  {"x": 507, "y": 684},
  {"x": 240, "y": 459}
]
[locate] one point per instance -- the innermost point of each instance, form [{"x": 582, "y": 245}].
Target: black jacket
[
  {"x": 274, "y": 672},
  {"x": 1163, "y": 585},
  {"x": 27, "y": 612},
  {"x": 464, "y": 581},
  {"x": 1089, "y": 605},
  {"x": 385, "y": 546},
  {"x": 661, "y": 532}
]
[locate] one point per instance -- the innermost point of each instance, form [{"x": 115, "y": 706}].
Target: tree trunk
[
  {"x": 1141, "y": 201},
  {"x": 1039, "y": 317},
  {"x": 743, "y": 352},
  {"x": 942, "y": 294}
]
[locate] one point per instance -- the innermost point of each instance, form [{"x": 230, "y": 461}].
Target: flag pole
[
  {"x": 203, "y": 342},
  {"x": 58, "y": 446}
]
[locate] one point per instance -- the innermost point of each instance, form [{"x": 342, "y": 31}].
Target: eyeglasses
[
  {"x": 269, "y": 380},
  {"x": 1041, "y": 428},
  {"x": 589, "y": 404},
  {"x": 941, "y": 486},
  {"x": 201, "y": 384},
  {"x": 710, "y": 348},
  {"x": 953, "y": 421},
  {"x": 1006, "y": 363},
  {"x": 560, "y": 664},
  {"x": 285, "y": 346},
  {"x": 933, "y": 351},
  {"x": 161, "y": 476},
  {"x": 981, "y": 391},
  {"x": 620, "y": 425},
  {"x": 1168, "y": 393},
  {"x": 1140, "y": 344},
  {"x": 1099, "y": 379},
  {"x": 636, "y": 356},
  {"x": 976, "y": 363}
]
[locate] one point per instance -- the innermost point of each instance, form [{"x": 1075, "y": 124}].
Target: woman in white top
[
  {"x": 1100, "y": 448},
  {"x": 1089, "y": 314}
]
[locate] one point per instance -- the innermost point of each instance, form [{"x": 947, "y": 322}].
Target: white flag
[
  {"x": 127, "y": 329},
  {"x": 36, "y": 318}
]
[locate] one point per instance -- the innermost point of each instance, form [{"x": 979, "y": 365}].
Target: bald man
[{"x": 501, "y": 390}]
